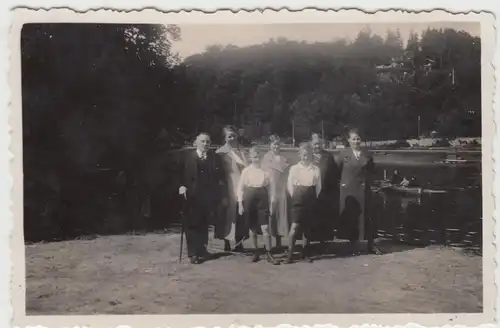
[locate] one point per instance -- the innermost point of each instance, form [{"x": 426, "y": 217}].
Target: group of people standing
[{"x": 243, "y": 195}]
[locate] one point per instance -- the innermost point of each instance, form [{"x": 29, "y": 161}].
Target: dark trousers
[
  {"x": 197, "y": 232},
  {"x": 302, "y": 207},
  {"x": 323, "y": 220},
  {"x": 370, "y": 232}
]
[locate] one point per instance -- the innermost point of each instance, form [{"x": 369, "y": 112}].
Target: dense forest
[{"x": 103, "y": 104}]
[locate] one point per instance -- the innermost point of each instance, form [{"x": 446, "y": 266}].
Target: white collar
[
  {"x": 304, "y": 166},
  {"x": 201, "y": 154}
]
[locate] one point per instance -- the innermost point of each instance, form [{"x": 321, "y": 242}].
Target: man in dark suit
[
  {"x": 202, "y": 187},
  {"x": 326, "y": 204}
]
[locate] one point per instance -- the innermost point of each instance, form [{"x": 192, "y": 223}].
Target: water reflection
[{"x": 452, "y": 217}]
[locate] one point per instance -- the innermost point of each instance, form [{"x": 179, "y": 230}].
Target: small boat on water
[
  {"x": 456, "y": 159},
  {"x": 387, "y": 186},
  {"x": 413, "y": 190}
]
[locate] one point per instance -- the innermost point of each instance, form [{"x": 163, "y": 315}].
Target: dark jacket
[
  {"x": 355, "y": 180},
  {"x": 213, "y": 188},
  {"x": 329, "y": 174}
]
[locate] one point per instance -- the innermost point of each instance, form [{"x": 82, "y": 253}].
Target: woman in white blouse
[
  {"x": 254, "y": 199},
  {"x": 304, "y": 186}
]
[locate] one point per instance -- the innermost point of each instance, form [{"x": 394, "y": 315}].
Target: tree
[{"x": 95, "y": 97}]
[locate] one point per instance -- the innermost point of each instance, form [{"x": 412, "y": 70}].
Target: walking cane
[{"x": 182, "y": 226}]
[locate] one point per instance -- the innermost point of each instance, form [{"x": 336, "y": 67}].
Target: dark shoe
[
  {"x": 207, "y": 256},
  {"x": 255, "y": 257},
  {"x": 239, "y": 249},
  {"x": 305, "y": 257},
  {"x": 354, "y": 248},
  {"x": 271, "y": 259},
  {"x": 194, "y": 260}
]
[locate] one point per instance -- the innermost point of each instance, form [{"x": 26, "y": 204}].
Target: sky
[{"x": 195, "y": 38}]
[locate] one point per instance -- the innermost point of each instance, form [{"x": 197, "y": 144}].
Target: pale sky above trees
[{"x": 195, "y": 38}]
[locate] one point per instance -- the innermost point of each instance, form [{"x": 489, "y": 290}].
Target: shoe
[
  {"x": 194, "y": 260},
  {"x": 307, "y": 259},
  {"x": 354, "y": 249},
  {"x": 255, "y": 257},
  {"x": 374, "y": 250},
  {"x": 271, "y": 259},
  {"x": 239, "y": 249},
  {"x": 305, "y": 255},
  {"x": 207, "y": 256}
]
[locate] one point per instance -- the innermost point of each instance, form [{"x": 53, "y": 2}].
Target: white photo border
[{"x": 151, "y": 16}]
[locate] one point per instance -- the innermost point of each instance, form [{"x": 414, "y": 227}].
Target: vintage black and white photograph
[{"x": 310, "y": 167}]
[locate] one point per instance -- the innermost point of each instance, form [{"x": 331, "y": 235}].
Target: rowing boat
[{"x": 384, "y": 186}]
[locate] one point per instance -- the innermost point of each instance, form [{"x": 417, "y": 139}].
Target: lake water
[{"x": 452, "y": 218}]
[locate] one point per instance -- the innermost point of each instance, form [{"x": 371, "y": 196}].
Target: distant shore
[
  {"x": 447, "y": 150},
  {"x": 392, "y": 157}
]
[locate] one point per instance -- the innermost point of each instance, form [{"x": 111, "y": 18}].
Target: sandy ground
[{"x": 141, "y": 275}]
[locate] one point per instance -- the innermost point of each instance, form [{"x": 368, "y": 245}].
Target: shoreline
[
  {"x": 401, "y": 157},
  {"x": 447, "y": 150}
]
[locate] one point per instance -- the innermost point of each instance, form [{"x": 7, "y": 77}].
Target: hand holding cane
[{"x": 182, "y": 192}]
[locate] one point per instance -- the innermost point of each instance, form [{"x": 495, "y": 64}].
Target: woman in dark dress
[
  {"x": 326, "y": 209},
  {"x": 356, "y": 168}
]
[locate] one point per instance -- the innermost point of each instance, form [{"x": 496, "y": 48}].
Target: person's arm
[
  {"x": 370, "y": 169},
  {"x": 241, "y": 186},
  {"x": 291, "y": 177},
  {"x": 331, "y": 171},
  {"x": 271, "y": 192},
  {"x": 339, "y": 163},
  {"x": 185, "y": 176},
  {"x": 221, "y": 177},
  {"x": 270, "y": 188},
  {"x": 318, "y": 181}
]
